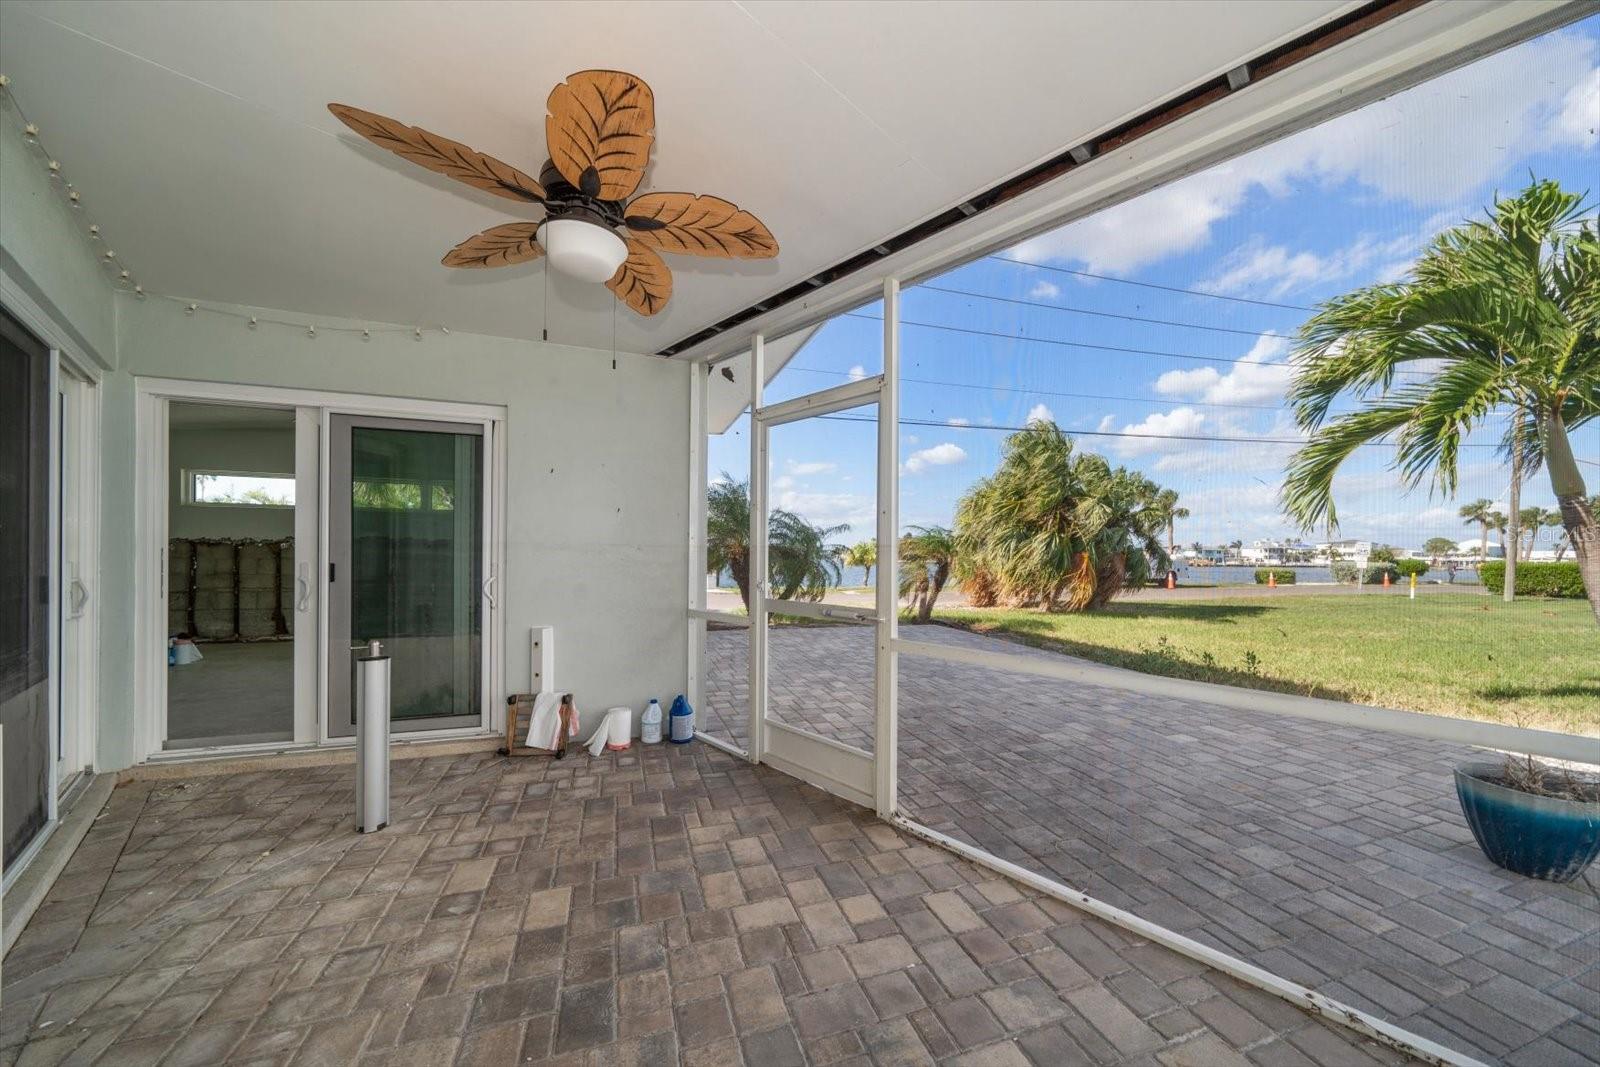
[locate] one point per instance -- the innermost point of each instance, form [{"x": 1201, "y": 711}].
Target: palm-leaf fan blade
[
  {"x": 498, "y": 246},
  {"x": 643, "y": 282},
  {"x": 599, "y": 132},
  {"x": 698, "y": 226},
  {"x": 441, "y": 155}
]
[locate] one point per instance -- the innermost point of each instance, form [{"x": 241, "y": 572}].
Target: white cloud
[
  {"x": 1274, "y": 271},
  {"x": 857, "y": 373},
  {"x": 958, "y": 421},
  {"x": 941, "y": 455},
  {"x": 1579, "y": 120},
  {"x": 803, "y": 469},
  {"x": 1156, "y": 432},
  {"x": 1039, "y": 413},
  {"x": 829, "y": 509},
  {"x": 1043, "y": 290},
  {"x": 1257, "y": 377},
  {"x": 1107, "y": 424},
  {"x": 783, "y": 481},
  {"x": 1439, "y": 143}
]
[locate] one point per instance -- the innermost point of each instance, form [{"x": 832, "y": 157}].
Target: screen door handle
[
  {"x": 305, "y": 587},
  {"x": 488, "y": 592},
  {"x": 80, "y": 597}
]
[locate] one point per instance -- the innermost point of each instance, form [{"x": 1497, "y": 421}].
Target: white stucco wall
[{"x": 596, "y": 541}]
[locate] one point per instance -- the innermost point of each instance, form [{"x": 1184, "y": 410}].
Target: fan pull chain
[{"x": 544, "y": 312}]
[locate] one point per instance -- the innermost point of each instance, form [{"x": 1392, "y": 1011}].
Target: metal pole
[{"x": 372, "y": 739}]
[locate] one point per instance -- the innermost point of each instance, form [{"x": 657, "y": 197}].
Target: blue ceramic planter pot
[{"x": 1542, "y": 837}]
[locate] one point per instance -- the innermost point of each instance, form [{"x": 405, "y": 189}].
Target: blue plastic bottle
[{"x": 682, "y": 721}]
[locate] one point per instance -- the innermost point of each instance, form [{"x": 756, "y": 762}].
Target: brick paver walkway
[
  {"x": 661, "y": 906},
  {"x": 1333, "y": 856}
]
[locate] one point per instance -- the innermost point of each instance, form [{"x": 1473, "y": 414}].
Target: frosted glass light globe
[{"x": 582, "y": 249}]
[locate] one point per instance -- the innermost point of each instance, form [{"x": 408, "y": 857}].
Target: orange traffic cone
[
  {"x": 1386, "y": 582},
  {"x": 1272, "y": 579}
]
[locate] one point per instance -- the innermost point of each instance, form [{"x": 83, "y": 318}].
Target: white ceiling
[{"x": 198, "y": 134}]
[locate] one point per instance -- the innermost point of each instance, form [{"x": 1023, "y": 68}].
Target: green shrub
[
  {"x": 1535, "y": 579},
  {"x": 1344, "y": 573},
  {"x": 1408, "y": 567},
  {"x": 1283, "y": 575},
  {"x": 1374, "y": 573},
  {"x": 1381, "y": 555}
]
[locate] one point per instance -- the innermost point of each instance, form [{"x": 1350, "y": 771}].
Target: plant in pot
[{"x": 1531, "y": 817}]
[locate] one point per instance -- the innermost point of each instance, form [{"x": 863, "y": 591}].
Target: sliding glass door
[
  {"x": 406, "y": 567},
  {"x": 25, "y": 404}
]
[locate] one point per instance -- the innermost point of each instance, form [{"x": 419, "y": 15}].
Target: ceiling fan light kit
[
  {"x": 585, "y": 250},
  {"x": 599, "y": 130}
]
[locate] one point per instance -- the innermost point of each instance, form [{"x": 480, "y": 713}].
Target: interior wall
[
  {"x": 42, "y": 255},
  {"x": 596, "y": 508},
  {"x": 261, "y": 451}
]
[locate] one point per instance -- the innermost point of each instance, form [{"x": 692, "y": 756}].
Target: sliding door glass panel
[
  {"x": 407, "y": 521},
  {"x": 822, "y": 560},
  {"x": 230, "y": 551},
  {"x": 24, "y": 585}
]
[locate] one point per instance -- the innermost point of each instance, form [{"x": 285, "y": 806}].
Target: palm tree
[
  {"x": 1198, "y": 548},
  {"x": 862, "y": 554},
  {"x": 1169, "y": 504},
  {"x": 1498, "y": 523},
  {"x": 1563, "y": 543},
  {"x": 1057, "y": 529},
  {"x": 728, "y": 532},
  {"x": 927, "y": 555},
  {"x": 1478, "y": 511},
  {"x": 800, "y": 561},
  {"x": 1531, "y": 521},
  {"x": 1496, "y": 314}
]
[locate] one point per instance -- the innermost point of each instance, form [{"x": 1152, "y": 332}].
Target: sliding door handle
[
  {"x": 488, "y": 592},
  {"x": 80, "y": 597}
]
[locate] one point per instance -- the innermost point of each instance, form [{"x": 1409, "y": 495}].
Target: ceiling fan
[{"x": 599, "y": 130}]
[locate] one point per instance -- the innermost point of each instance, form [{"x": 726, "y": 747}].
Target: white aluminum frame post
[
  {"x": 758, "y": 554},
  {"x": 886, "y": 706}
]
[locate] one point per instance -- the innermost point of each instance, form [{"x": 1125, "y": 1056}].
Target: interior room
[
  {"x": 754, "y": 532},
  {"x": 231, "y": 565}
]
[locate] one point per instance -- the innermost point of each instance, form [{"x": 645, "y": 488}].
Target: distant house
[
  {"x": 1264, "y": 551},
  {"x": 1349, "y": 548}
]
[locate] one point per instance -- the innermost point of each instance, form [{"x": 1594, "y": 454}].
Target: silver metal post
[{"x": 372, "y": 739}]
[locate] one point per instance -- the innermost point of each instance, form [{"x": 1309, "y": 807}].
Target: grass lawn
[{"x": 1532, "y": 663}]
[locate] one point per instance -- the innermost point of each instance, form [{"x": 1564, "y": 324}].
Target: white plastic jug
[{"x": 650, "y": 723}]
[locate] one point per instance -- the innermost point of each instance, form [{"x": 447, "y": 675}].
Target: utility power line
[
  {"x": 1149, "y": 285},
  {"x": 945, "y": 425}
]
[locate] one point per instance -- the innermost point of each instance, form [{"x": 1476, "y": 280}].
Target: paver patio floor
[
  {"x": 659, "y": 906},
  {"x": 1330, "y": 855}
]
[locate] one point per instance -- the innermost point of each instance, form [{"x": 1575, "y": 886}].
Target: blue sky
[{"x": 1058, "y": 326}]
